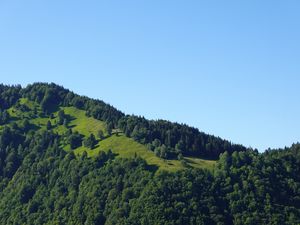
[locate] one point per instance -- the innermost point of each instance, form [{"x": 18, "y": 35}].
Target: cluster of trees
[
  {"x": 50, "y": 96},
  {"x": 74, "y": 139},
  {"x": 174, "y": 138},
  {"x": 4, "y": 117},
  {"x": 90, "y": 141},
  {"x": 62, "y": 119},
  {"x": 9, "y": 95},
  {"x": 40, "y": 183},
  {"x": 9, "y": 148}
]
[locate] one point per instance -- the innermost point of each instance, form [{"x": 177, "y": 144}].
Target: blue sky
[{"x": 229, "y": 68}]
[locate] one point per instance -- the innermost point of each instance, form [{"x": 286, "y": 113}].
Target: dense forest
[{"x": 43, "y": 182}]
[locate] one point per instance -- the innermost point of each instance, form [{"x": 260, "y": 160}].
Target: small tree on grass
[
  {"x": 109, "y": 128},
  {"x": 75, "y": 140},
  {"x": 163, "y": 152},
  {"x": 100, "y": 134},
  {"x": 90, "y": 141},
  {"x": 65, "y": 123},
  {"x": 49, "y": 125},
  {"x": 180, "y": 157},
  {"x": 61, "y": 117}
]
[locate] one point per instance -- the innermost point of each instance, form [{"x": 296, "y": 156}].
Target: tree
[
  {"x": 100, "y": 134},
  {"x": 135, "y": 133},
  {"x": 61, "y": 117},
  {"x": 179, "y": 147},
  {"x": 156, "y": 143},
  {"x": 75, "y": 140},
  {"x": 109, "y": 128},
  {"x": 49, "y": 125},
  {"x": 90, "y": 141},
  {"x": 65, "y": 123},
  {"x": 25, "y": 125},
  {"x": 4, "y": 117},
  {"x": 163, "y": 151},
  {"x": 180, "y": 157}
]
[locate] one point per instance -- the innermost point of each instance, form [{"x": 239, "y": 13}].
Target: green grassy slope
[
  {"x": 119, "y": 144},
  {"x": 83, "y": 124},
  {"x": 128, "y": 148}
]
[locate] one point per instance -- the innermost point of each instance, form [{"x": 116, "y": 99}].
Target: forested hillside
[
  {"x": 68, "y": 159},
  {"x": 165, "y": 138}
]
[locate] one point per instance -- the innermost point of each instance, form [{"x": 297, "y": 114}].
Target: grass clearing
[
  {"x": 127, "y": 148},
  {"x": 200, "y": 163},
  {"x": 83, "y": 124}
]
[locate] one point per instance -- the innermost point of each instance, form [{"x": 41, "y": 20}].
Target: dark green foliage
[
  {"x": 65, "y": 123},
  {"x": 75, "y": 140},
  {"x": 9, "y": 95},
  {"x": 26, "y": 125},
  {"x": 52, "y": 186},
  {"x": 100, "y": 134},
  {"x": 49, "y": 125},
  {"x": 161, "y": 151},
  {"x": 178, "y": 138},
  {"x": 109, "y": 128},
  {"x": 49, "y": 100},
  {"x": 90, "y": 141},
  {"x": 181, "y": 198},
  {"x": 40, "y": 183},
  {"x": 4, "y": 117},
  {"x": 61, "y": 117}
]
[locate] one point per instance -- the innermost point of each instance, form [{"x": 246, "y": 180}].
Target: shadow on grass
[
  {"x": 200, "y": 156},
  {"x": 152, "y": 168},
  {"x": 33, "y": 127},
  {"x": 96, "y": 146},
  {"x": 189, "y": 161},
  {"x": 52, "y": 108},
  {"x": 70, "y": 118}
]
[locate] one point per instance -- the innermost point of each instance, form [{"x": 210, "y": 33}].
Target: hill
[
  {"x": 167, "y": 145},
  {"x": 69, "y": 159}
]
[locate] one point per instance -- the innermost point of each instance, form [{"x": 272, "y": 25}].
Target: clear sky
[{"x": 229, "y": 68}]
